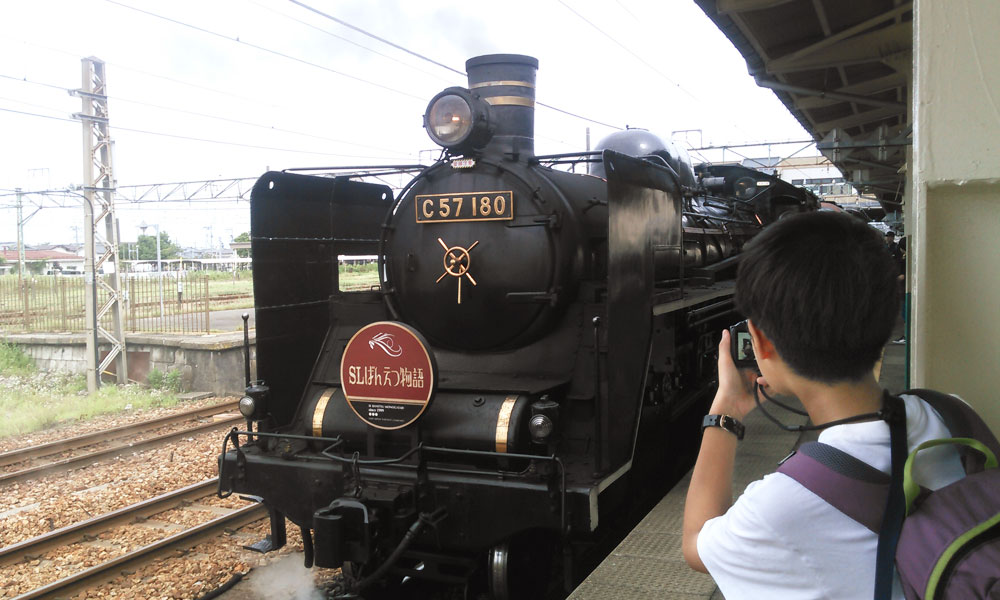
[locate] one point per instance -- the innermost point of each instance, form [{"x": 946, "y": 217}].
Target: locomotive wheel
[{"x": 523, "y": 567}]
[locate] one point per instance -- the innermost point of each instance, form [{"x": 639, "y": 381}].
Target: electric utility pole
[
  {"x": 20, "y": 237},
  {"x": 99, "y": 208}
]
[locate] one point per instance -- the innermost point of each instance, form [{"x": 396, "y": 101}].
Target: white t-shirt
[{"x": 780, "y": 540}]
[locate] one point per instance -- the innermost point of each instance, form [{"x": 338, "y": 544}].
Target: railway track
[
  {"x": 33, "y": 453},
  {"x": 132, "y": 560},
  {"x": 84, "y": 530}
]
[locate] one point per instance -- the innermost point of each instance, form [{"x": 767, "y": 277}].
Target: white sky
[{"x": 689, "y": 76}]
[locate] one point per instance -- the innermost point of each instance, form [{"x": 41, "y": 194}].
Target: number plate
[{"x": 471, "y": 206}]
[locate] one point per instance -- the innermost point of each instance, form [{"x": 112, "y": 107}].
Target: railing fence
[{"x": 173, "y": 303}]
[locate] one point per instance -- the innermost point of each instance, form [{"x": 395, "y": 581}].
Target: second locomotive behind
[{"x": 530, "y": 367}]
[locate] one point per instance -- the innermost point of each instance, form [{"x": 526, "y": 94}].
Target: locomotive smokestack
[{"x": 507, "y": 82}]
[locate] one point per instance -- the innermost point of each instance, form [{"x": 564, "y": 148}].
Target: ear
[{"x": 763, "y": 347}]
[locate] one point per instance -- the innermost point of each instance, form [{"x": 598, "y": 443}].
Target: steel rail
[
  {"x": 23, "y": 454},
  {"x": 77, "y": 532},
  {"x": 131, "y": 560},
  {"x": 77, "y": 461}
]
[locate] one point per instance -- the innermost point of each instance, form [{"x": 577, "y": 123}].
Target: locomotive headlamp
[
  {"x": 544, "y": 415},
  {"x": 450, "y": 119},
  {"x": 247, "y": 406},
  {"x": 253, "y": 405},
  {"x": 540, "y": 426},
  {"x": 459, "y": 120}
]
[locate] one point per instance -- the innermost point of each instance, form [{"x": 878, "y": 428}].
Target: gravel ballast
[{"x": 32, "y": 508}]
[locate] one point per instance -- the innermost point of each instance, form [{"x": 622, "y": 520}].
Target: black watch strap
[{"x": 725, "y": 422}]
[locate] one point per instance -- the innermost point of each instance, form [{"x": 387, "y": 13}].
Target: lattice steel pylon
[{"x": 99, "y": 188}]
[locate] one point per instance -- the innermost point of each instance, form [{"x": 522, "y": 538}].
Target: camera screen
[{"x": 744, "y": 346}]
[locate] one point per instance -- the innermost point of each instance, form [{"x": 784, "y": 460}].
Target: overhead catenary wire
[
  {"x": 342, "y": 38},
  {"x": 205, "y": 115},
  {"x": 198, "y": 139},
  {"x": 257, "y": 100},
  {"x": 118, "y": 65},
  {"x": 49, "y": 194},
  {"x": 373, "y": 36},
  {"x": 267, "y": 50},
  {"x": 131, "y": 206},
  {"x": 642, "y": 60},
  {"x": 743, "y": 156},
  {"x": 630, "y": 13},
  {"x": 630, "y": 51},
  {"x": 251, "y": 124},
  {"x": 434, "y": 62}
]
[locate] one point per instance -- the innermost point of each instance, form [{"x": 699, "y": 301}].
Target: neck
[{"x": 831, "y": 402}]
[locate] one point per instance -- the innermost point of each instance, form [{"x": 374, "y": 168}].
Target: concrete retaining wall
[{"x": 208, "y": 363}]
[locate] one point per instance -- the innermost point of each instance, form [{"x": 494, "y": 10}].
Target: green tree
[
  {"x": 147, "y": 247},
  {"x": 243, "y": 237}
]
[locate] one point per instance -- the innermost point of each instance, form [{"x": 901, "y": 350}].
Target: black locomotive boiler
[{"x": 526, "y": 370}]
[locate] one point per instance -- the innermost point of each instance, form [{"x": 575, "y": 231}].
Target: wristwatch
[{"x": 725, "y": 422}]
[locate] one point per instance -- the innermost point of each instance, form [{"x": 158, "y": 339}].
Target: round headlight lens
[
  {"x": 540, "y": 426},
  {"x": 449, "y": 119},
  {"x": 247, "y": 406}
]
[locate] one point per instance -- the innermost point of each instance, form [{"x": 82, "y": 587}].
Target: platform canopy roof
[{"x": 843, "y": 68}]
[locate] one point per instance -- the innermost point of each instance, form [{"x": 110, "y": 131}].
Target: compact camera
[{"x": 741, "y": 346}]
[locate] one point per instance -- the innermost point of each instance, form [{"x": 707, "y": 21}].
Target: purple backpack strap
[
  {"x": 852, "y": 486},
  {"x": 962, "y": 421}
]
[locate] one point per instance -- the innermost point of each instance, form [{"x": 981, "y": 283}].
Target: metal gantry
[
  {"x": 99, "y": 209},
  {"x": 188, "y": 191}
]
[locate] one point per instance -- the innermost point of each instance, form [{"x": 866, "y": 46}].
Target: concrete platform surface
[{"x": 648, "y": 563}]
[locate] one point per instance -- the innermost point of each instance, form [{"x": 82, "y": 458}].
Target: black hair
[{"x": 823, "y": 289}]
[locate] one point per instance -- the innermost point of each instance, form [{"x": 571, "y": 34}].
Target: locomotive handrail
[
  {"x": 232, "y": 433},
  {"x": 312, "y": 239},
  {"x": 718, "y": 218},
  {"x": 353, "y": 459},
  {"x": 235, "y": 433},
  {"x": 567, "y": 155},
  {"x": 395, "y": 168},
  {"x": 419, "y": 450},
  {"x": 724, "y": 199},
  {"x": 571, "y": 162},
  {"x": 659, "y": 161}
]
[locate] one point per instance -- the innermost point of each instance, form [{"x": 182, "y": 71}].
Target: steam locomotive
[{"x": 532, "y": 363}]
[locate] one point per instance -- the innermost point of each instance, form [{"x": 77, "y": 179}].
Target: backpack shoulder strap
[
  {"x": 852, "y": 486},
  {"x": 962, "y": 421}
]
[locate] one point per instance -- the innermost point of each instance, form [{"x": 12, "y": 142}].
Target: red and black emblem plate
[{"x": 388, "y": 375}]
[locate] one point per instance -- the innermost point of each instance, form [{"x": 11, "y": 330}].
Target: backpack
[{"x": 949, "y": 544}]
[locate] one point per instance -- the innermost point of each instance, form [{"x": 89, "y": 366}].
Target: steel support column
[{"x": 103, "y": 296}]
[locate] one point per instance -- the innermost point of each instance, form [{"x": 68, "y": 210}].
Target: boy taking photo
[{"x": 819, "y": 291}]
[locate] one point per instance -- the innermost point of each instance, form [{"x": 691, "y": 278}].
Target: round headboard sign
[{"x": 388, "y": 374}]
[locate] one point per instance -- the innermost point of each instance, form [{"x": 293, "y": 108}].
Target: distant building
[
  {"x": 76, "y": 249},
  {"x": 766, "y": 165},
  {"x": 54, "y": 261},
  {"x": 190, "y": 253},
  {"x": 820, "y": 176}
]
